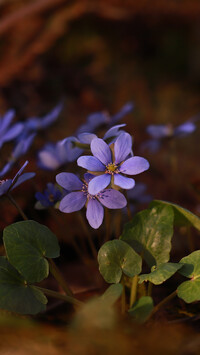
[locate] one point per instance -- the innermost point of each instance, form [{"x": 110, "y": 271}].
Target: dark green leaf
[
  {"x": 15, "y": 294},
  {"x": 116, "y": 257},
  {"x": 182, "y": 217},
  {"x": 161, "y": 273},
  {"x": 27, "y": 245},
  {"x": 150, "y": 233},
  {"x": 142, "y": 309},
  {"x": 189, "y": 291}
]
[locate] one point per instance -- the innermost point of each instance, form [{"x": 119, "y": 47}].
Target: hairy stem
[
  {"x": 58, "y": 276},
  {"x": 11, "y": 199},
  {"x": 87, "y": 232},
  {"x": 133, "y": 293},
  {"x": 58, "y": 295}
]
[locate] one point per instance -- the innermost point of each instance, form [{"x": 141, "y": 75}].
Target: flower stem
[
  {"x": 87, "y": 232},
  {"x": 123, "y": 297},
  {"x": 107, "y": 223},
  {"x": 11, "y": 199},
  {"x": 58, "y": 276},
  {"x": 58, "y": 295},
  {"x": 162, "y": 303},
  {"x": 133, "y": 293}
]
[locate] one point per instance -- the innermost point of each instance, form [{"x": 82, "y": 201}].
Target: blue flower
[
  {"x": 8, "y": 132},
  {"x": 161, "y": 132},
  {"x": 39, "y": 123},
  {"x": 79, "y": 197},
  {"x": 97, "y": 119},
  {"x": 111, "y": 165},
  {"x": 52, "y": 194},
  {"x": 53, "y": 156},
  {"x": 9, "y": 184}
]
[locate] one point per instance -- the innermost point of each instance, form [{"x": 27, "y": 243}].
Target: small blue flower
[
  {"x": 40, "y": 123},
  {"x": 9, "y": 184},
  {"x": 95, "y": 120},
  {"x": 111, "y": 165},
  {"x": 51, "y": 195},
  {"x": 79, "y": 197},
  {"x": 53, "y": 156},
  {"x": 161, "y": 132},
  {"x": 8, "y": 132}
]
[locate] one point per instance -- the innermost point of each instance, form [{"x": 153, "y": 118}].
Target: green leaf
[
  {"x": 142, "y": 309},
  {"x": 27, "y": 245},
  {"x": 15, "y": 294},
  {"x": 182, "y": 217},
  {"x": 161, "y": 273},
  {"x": 112, "y": 294},
  {"x": 150, "y": 233},
  {"x": 189, "y": 291},
  {"x": 116, "y": 257}
]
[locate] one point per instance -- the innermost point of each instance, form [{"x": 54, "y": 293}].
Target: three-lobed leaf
[
  {"x": 117, "y": 257},
  {"x": 28, "y": 244},
  {"x": 189, "y": 290},
  {"x": 150, "y": 233},
  {"x": 15, "y": 294},
  {"x": 161, "y": 273}
]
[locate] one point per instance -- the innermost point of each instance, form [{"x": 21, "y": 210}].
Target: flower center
[
  {"x": 112, "y": 169},
  {"x": 86, "y": 193},
  {"x": 2, "y": 181}
]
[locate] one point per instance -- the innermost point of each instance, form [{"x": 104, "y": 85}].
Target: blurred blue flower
[
  {"x": 138, "y": 195},
  {"x": 9, "y": 184},
  {"x": 111, "y": 166},
  {"x": 161, "y": 132},
  {"x": 9, "y": 132},
  {"x": 78, "y": 197},
  {"x": 54, "y": 155},
  {"x": 51, "y": 195},
  {"x": 40, "y": 123},
  {"x": 95, "y": 120}
]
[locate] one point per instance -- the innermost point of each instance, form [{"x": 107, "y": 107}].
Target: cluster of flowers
[
  {"x": 109, "y": 168},
  {"x": 22, "y": 134}
]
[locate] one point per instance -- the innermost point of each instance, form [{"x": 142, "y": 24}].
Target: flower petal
[
  {"x": 111, "y": 198},
  {"x": 46, "y": 160},
  {"x": 22, "y": 178},
  {"x": 123, "y": 181},
  {"x": 90, "y": 163},
  {"x": 134, "y": 166},
  {"x": 101, "y": 150},
  {"x": 69, "y": 181},
  {"x": 98, "y": 183},
  {"x": 72, "y": 202},
  {"x": 4, "y": 186},
  {"x": 122, "y": 147},
  {"x": 86, "y": 138},
  {"x": 95, "y": 213},
  {"x": 113, "y": 131}
]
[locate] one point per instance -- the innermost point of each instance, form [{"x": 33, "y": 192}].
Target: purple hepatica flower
[
  {"x": 9, "y": 184},
  {"x": 52, "y": 194},
  {"x": 7, "y": 132},
  {"x": 138, "y": 195},
  {"x": 167, "y": 131},
  {"x": 95, "y": 120},
  {"x": 112, "y": 167},
  {"x": 40, "y": 123},
  {"x": 79, "y": 196}
]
